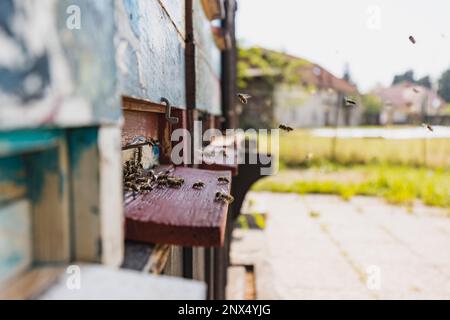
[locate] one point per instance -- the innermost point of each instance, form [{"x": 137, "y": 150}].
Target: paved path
[{"x": 321, "y": 247}]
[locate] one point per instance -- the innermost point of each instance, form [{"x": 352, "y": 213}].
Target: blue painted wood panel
[
  {"x": 51, "y": 75},
  {"x": 151, "y": 50},
  {"x": 208, "y": 63}
]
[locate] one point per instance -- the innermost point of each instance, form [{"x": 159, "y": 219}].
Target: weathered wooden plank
[
  {"x": 13, "y": 180},
  {"x": 139, "y": 123},
  {"x": 15, "y": 239},
  {"x": 214, "y": 9},
  {"x": 103, "y": 283},
  {"x": 48, "y": 190},
  {"x": 111, "y": 196},
  {"x": 151, "y": 50},
  {"x": 30, "y": 284},
  {"x": 20, "y": 141},
  {"x": 207, "y": 62},
  {"x": 182, "y": 216},
  {"x": 85, "y": 194},
  {"x": 174, "y": 265}
]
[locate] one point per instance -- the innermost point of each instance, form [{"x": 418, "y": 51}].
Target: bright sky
[{"x": 371, "y": 35}]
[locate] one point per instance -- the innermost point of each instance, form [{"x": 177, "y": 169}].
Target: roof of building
[
  {"x": 407, "y": 94},
  {"x": 310, "y": 73}
]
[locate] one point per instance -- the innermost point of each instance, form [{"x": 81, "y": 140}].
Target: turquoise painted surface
[
  {"x": 15, "y": 239},
  {"x": 39, "y": 166},
  {"x": 13, "y": 180},
  {"x": 80, "y": 141},
  {"x": 16, "y": 142}
]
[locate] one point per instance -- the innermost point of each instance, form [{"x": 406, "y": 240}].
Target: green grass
[
  {"x": 295, "y": 146},
  {"x": 397, "y": 184},
  {"x": 398, "y": 170}
]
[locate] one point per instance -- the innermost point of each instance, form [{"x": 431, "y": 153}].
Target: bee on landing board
[
  {"x": 223, "y": 197},
  {"x": 285, "y": 128},
  {"x": 223, "y": 180},
  {"x": 243, "y": 97},
  {"x": 198, "y": 185},
  {"x": 175, "y": 183}
]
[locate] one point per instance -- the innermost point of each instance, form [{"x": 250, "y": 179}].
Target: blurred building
[
  {"x": 406, "y": 103},
  {"x": 298, "y": 93}
]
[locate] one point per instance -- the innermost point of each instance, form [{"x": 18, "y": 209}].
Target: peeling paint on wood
[
  {"x": 53, "y": 76},
  {"x": 207, "y": 63},
  {"x": 151, "y": 50},
  {"x": 15, "y": 239}
]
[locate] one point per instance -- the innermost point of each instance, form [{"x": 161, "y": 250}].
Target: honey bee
[
  {"x": 223, "y": 180},
  {"x": 243, "y": 97},
  {"x": 223, "y": 197},
  {"x": 160, "y": 184},
  {"x": 131, "y": 186},
  {"x": 162, "y": 177},
  {"x": 198, "y": 185},
  {"x": 176, "y": 183},
  {"x": 416, "y": 90},
  {"x": 285, "y": 128},
  {"x": 349, "y": 102},
  {"x": 428, "y": 127},
  {"x": 146, "y": 187},
  {"x": 412, "y": 39}
]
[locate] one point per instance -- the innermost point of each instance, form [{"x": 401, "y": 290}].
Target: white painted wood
[
  {"x": 111, "y": 196},
  {"x": 15, "y": 239},
  {"x": 98, "y": 282}
]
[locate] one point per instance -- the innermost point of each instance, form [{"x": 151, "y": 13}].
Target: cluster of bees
[
  {"x": 134, "y": 175},
  {"x": 138, "y": 180}
]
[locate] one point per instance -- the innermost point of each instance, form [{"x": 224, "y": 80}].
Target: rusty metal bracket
[{"x": 171, "y": 120}]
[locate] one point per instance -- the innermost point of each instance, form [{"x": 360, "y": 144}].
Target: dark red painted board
[
  {"x": 184, "y": 216},
  {"x": 220, "y": 163}
]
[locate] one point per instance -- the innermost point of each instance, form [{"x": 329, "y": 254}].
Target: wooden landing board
[
  {"x": 221, "y": 163},
  {"x": 184, "y": 216}
]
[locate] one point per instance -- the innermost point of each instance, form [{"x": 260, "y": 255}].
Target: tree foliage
[
  {"x": 273, "y": 66},
  {"x": 372, "y": 104}
]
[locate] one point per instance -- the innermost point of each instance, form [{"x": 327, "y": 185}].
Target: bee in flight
[
  {"x": 198, "y": 185},
  {"x": 412, "y": 39},
  {"x": 416, "y": 90},
  {"x": 220, "y": 196},
  {"x": 349, "y": 102},
  {"x": 223, "y": 180},
  {"x": 285, "y": 128},
  {"x": 243, "y": 97},
  {"x": 428, "y": 127}
]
